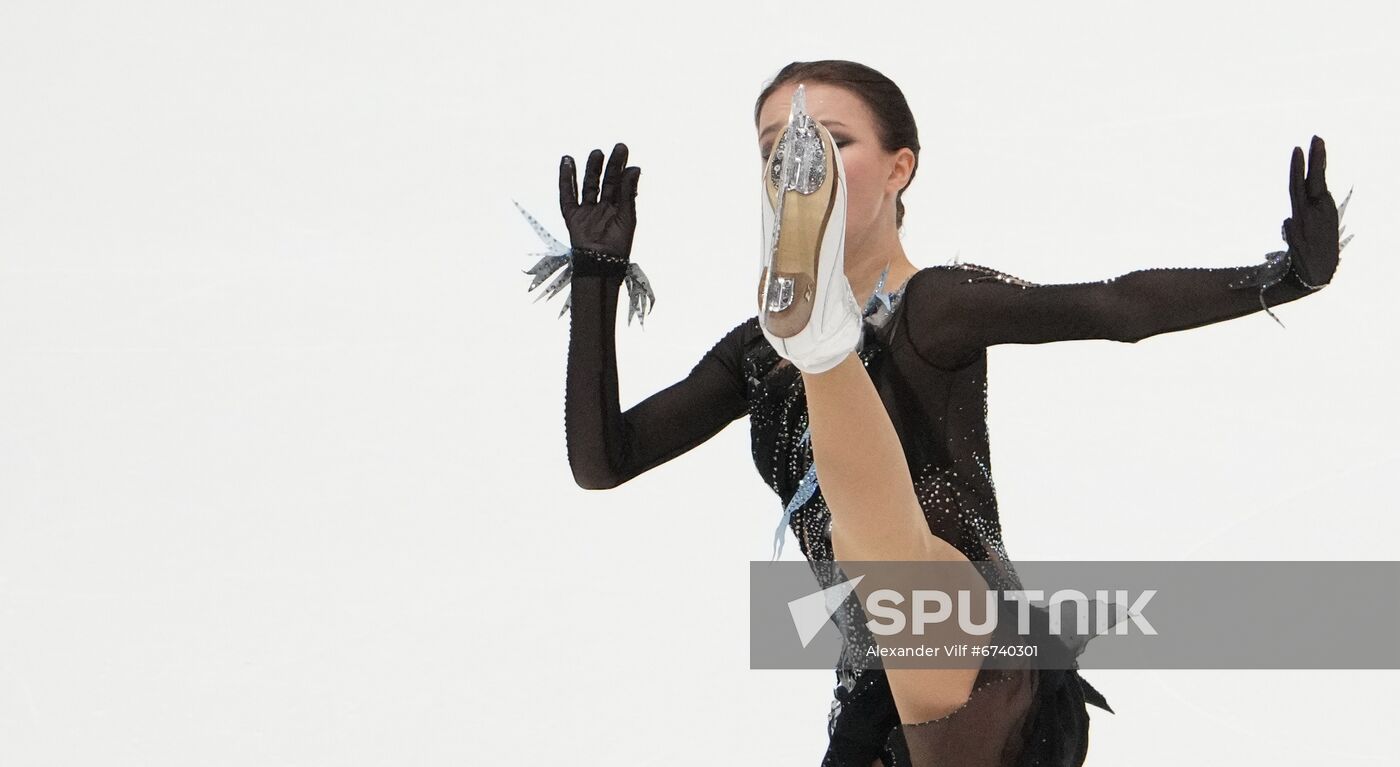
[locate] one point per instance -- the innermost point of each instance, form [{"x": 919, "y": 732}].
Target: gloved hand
[
  {"x": 602, "y": 223},
  {"x": 1314, "y": 241}
]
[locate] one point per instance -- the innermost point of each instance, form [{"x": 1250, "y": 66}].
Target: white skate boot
[{"x": 806, "y": 307}]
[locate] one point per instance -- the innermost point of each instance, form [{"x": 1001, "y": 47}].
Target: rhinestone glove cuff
[{"x": 567, "y": 262}]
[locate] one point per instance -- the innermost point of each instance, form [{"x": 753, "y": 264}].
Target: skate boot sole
[{"x": 787, "y": 287}]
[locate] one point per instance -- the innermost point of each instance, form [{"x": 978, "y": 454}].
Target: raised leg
[{"x": 875, "y": 514}]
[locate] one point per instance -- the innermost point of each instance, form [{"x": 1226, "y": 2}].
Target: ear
[{"x": 901, "y": 171}]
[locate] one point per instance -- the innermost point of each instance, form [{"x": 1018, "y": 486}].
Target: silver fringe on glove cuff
[{"x": 640, "y": 297}]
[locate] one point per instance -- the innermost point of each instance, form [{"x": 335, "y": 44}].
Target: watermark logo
[
  {"x": 1192, "y": 615},
  {"x": 810, "y": 614}
]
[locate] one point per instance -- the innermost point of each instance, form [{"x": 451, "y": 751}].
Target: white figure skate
[{"x": 806, "y": 307}]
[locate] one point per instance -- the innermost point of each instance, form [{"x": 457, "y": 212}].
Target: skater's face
[{"x": 873, "y": 176}]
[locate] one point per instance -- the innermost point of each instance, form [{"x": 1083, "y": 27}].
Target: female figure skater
[{"x": 870, "y": 423}]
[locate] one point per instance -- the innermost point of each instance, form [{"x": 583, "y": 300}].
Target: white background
[{"x": 282, "y": 467}]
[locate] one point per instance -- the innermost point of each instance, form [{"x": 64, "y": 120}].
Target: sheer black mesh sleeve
[
  {"x": 959, "y": 310},
  {"x": 607, "y": 446}
]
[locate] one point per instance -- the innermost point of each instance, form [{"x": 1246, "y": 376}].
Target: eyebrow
[{"x": 775, "y": 126}]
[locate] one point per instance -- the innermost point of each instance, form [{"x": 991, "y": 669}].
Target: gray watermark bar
[{"x": 1102, "y": 614}]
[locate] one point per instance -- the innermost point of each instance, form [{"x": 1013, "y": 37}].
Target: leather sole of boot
[{"x": 800, "y": 232}]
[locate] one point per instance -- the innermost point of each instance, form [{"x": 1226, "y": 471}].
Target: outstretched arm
[{"x": 959, "y": 311}]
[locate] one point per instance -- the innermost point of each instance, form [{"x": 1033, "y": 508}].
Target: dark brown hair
[{"x": 894, "y": 123}]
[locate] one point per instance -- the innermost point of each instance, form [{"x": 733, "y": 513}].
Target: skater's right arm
[{"x": 607, "y": 446}]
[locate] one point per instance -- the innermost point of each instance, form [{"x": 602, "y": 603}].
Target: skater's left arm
[{"x": 970, "y": 308}]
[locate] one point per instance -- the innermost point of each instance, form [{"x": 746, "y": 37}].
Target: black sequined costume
[{"x": 926, "y": 355}]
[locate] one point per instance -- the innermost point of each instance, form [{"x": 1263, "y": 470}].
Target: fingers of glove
[
  {"x": 1296, "y": 193},
  {"x": 568, "y": 187},
  {"x": 627, "y": 195},
  {"x": 591, "y": 172},
  {"x": 612, "y": 177},
  {"x": 1317, "y": 168}
]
